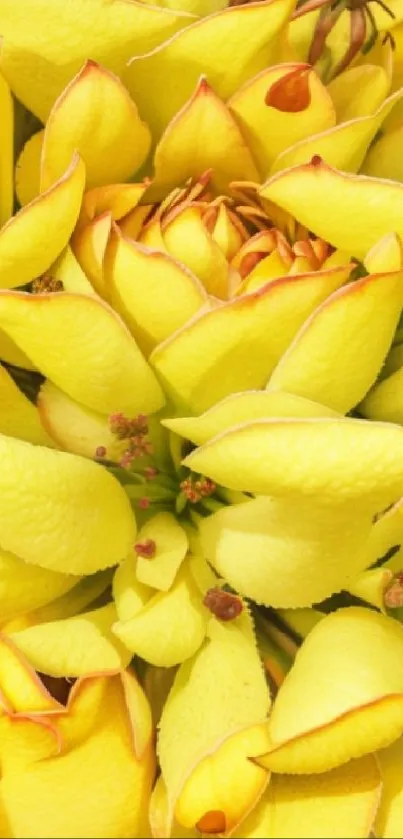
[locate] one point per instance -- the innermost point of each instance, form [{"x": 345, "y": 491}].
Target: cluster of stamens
[
  {"x": 134, "y": 432},
  {"x": 194, "y": 489},
  {"x": 46, "y": 285}
]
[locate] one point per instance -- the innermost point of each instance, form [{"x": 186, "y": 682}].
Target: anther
[
  {"x": 223, "y": 605},
  {"x": 100, "y": 452},
  {"x": 46, "y": 285},
  {"x": 147, "y": 548},
  {"x": 196, "y": 489},
  {"x": 144, "y": 503},
  {"x": 393, "y": 596}
]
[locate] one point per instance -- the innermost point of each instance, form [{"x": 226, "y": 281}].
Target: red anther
[
  {"x": 224, "y": 605},
  {"x": 196, "y": 489},
  {"x": 393, "y": 596},
  {"x": 144, "y": 503},
  {"x": 316, "y": 160},
  {"x": 100, "y": 451},
  {"x": 151, "y": 472},
  {"x": 147, "y": 548}
]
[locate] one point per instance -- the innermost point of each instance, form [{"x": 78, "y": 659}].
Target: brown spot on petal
[
  {"x": 212, "y": 822},
  {"x": 223, "y": 605},
  {"x": 291, "y": 93}
]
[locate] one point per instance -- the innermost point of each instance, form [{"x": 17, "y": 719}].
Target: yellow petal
[
  {"x": 74, "y": 427},
  {"x": 335, "y": 458},
  {"x": 389, "y": 819},
  {"x": 138, "y": 279},
  {"x": 343, "y": 146},
  {"x": 325, "y": 363},
  {"x": 60, "y": 511},
  {"x": 6, "y": 152},
  {"x": 348, "y": 677},
  {"x": 171, "y": 547},
  {"x": 106, "y": 798},
  {"x": 101, "y": 365},
  {"x": 31, "y": 60},
  {"x": 116, "y": 199},
  {"x": 78, "y": 646},
  {"x": 161, "y": 81},
  {"x": 385, "y": 255},
  {"x": 68, "y": 270},
  {"x": 159, "y": 816},
  {"x": 188, "y": 240},
  {"x": 170, "y": 627},
  {"x": 339, "y": 803},
  {"x": 211, "y": 723},
  {"x": 130, "y": 595},
  {"x": 32, "y": 239},
  {"x": 383, "y": 159},
  {"x": 81, "y": 595},
  {"x": 89, "y": 245},
  {"x": 21, "y": 690},
  {"x": 185, "y": 149},
  {"x": 205, "y": 360},
  {"x": 286, "y": 553},
  {"x": 12, "y": 354},
  {"x": 362, "y": 209},
  {"x": 244, "y": 407},
  {"x": 301, "y": 107},
  {"x": 18, "y": 416},
  {"x": 28, "y": 169},
  {"x": 359, "y": 91},
  {"x": 26, "y": 587},
  {"x": 371, "y": 586},
  {"x": 385, "y": 400},
  {"x": 95, "y": 116}
]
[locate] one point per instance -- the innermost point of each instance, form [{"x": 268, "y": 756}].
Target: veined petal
[
  {"x": 170, "y": 627},
  {"x": 210, "y": 725},
  {"x": 171, "y": 544},
  {"x": 25, "y": 587},
  {"x": 352, "y": 660},
  {"x": 95, "y": 116},
  {"x": 110, "y": 33},
  {"x": 389, "y": 819},
  {"x": 28, "y": 169},
  {"x": 285, "y": 552},
  {"x": 206, "y": 359},
  {"x": 105, "y": 797},
  {"x": 279, "y": 107},
  {"x": 362, "y": 209},
  {"x": 44, "y": 227},
  {"x": 6, "y": 152},
  {"x": 161, "y": 81},
  {"x": 70, "y": 515},
  {"x": 138, "y": 279},
  {"x": 244, "y": 407},
  {"x": 337, "y": 459},
  {"x": 310, "y": 807},
  {"x": 324, "y": 362},
  {"x": 358, "y": 91},
  {"x": 79, "y": 646},
  {"x": 18, "y": 416},
  {"x": 185, "y": 149},
  {"x": 343, "y": 146},
  {"x": 101, "y": 364}
]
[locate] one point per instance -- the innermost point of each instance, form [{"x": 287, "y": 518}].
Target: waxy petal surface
[
  {"x": 325, "y": 362},
  {"x": 389, "y": 818},
  {"x": 221, "y": 699},
  {"x": 286, "y": 553},
  {"x": 6, "y": 152},
  {"x": 28, "y": 169},
  {"x": 359, "y": 91},
  {"x": 44, "y": 226},
  {"x": 60, "y": 511},
  {"x": 185, "y": 149},
  {"x": 385, "y": 400},
  {"x": 128, "y": 593},
  {"x": 236, "y": 346},
  {"x": 138, "y": 279},
  {"x": 95, "y": 116},
  {"x": 18, "y": 416},
  {"x": 383, "y": 159},
  {"x": 186, "y": 237},
  {"x": 110, "y": 33},
  {"x": 161, "y": 81},
  {"x": 301, "y": 107},
  {"x": 171, "y": 547},
  {"x": 77, "y": 646},
  {"x": 337, "y": 459},
  {"x": 352, "y": 663},
  {"x": 362, "y": 209},
  {"x": 100, "y": 366},
  {"x": 244, "y": 407},
  {"x": 25, "y": 587}
]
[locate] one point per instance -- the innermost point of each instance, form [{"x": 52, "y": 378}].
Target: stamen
[
  {"x": 223, "y": 605},
  {"x": 46, "y": 285},
  {"x": 196, "y": 489},
  {"x": 144, "y": 503},
  {"x": 147, "y": 548},
  {"x": 393, "y": 596},
  {"x": 100, "y": 452},
  {"x": 151, "y": 472}
]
